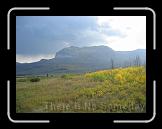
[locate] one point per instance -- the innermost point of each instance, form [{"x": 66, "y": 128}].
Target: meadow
[{"x": 120, "y": 90}]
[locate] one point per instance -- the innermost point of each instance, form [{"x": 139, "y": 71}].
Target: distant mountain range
[{"x": 79, "y": 60}]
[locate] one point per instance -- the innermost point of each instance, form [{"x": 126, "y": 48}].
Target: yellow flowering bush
[{"x": 115, "y": 90}]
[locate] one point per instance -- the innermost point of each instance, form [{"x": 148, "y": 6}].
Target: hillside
[
  {"x": 80, "y": 60},
  {"x": 121, "y": 90}
]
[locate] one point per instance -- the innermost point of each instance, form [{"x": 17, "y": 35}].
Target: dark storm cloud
[{"x": 48, "y": 34}]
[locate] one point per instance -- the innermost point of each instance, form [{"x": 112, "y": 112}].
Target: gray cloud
[
  {"x": 42, "y": 36},
  {"x": 48, "y": 34}
]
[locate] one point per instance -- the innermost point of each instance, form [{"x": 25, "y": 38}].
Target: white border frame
[
  {"x": 154, "y": 110},
  {"x": 19, "y": 8},
  {"x": 154, "y": 48},
  {"x": 115, "y": 121},
  {"x": 8, "y": 48},
  {"x": 145, "y": 9},
  {"x": 19, "y": 121}
]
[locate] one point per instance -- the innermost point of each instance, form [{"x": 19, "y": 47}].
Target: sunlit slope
[{"x": 119, "y": 90}]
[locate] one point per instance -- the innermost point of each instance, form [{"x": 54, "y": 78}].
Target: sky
[{"x": 40, "y": 37}]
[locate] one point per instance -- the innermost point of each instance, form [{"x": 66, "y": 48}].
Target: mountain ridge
[{"x": 81, "y": 59}]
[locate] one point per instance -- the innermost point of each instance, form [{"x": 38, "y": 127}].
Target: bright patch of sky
[
  {"x": 131, "y": 32},
  {"x": 40, "y": 37},
  {"x": 32, "y": 58}
]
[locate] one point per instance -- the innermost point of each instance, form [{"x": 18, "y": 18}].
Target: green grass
[{"x": 113, "y": 91}]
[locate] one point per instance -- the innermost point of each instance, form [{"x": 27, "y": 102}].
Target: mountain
[{"x": 78, "y": 60}]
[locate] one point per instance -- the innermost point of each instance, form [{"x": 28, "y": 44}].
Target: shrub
[
  {"x": 35, "y": 79},
  {"x": 67, "y": 76}
]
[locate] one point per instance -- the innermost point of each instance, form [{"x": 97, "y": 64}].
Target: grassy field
[{"x": 121, "y": 90}]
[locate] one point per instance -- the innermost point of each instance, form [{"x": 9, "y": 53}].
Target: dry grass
[{"x": 118, "y": 90}]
